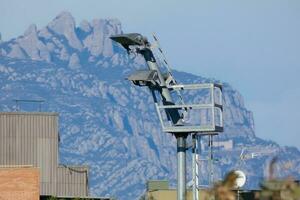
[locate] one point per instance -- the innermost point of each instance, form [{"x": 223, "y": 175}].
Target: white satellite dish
[{"x": 240, "y": 180}]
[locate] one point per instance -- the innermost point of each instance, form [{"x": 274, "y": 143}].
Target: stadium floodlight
[{"x": 177, "y": 112}]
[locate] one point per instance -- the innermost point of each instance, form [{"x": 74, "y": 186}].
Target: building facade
[{"x": 32, "y": 139}]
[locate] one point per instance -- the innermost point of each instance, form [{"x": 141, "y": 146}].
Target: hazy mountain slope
[{"x": 107, "y": 123}]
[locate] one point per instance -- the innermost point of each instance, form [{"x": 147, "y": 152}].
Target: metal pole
[
  {"x": 181, "y": 164},
  {"x": 175, "y": 117},
  {"x": 211, "y": 161},
  {"x": 195, "y": 160}
]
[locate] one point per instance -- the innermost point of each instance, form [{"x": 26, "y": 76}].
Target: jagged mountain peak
[
  {"x": 32, "y": 29},
  {"x": 65, "y": 15},
  {"x": 61, "y": 40},
  {"x": 64, "y": 24},
  {"x": 63, "y": 18},
  {"x": 85, "y": 26}
]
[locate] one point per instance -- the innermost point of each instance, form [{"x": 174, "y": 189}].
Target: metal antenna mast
[
  {"x": 171, "y": 114},
  {"x": 195, "y": 163}
]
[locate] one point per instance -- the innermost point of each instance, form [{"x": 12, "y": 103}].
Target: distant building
[
  {"x": 32, "y": 139},
  {"x": 159, "y": 190},
  {"x": 226, "y": 144}
]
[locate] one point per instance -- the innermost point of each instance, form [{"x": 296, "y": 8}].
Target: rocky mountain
[{"x": 110, "y": 125}]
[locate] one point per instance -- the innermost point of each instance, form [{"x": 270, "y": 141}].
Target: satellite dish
[{"x": 240, "y": 180}]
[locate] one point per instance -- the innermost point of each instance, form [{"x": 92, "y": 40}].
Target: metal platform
[{"x": 200, "y": 117}]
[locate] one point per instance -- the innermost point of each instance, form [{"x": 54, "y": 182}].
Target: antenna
[
  {"x": 246, "y": 156},
  {"x": 195, "y": 165},
  {"x": 169, "y": 112},
  {"x": 32, "y": 101}
]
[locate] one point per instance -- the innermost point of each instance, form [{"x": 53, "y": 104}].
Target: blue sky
[{"x": 253, "y": 44}]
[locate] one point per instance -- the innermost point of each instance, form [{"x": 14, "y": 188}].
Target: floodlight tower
[{"x": 171, "y": 113}]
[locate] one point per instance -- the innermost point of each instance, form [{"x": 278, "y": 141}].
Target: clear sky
[{"x": 252, "y": 44}]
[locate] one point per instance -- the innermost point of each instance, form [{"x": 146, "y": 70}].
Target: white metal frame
[{"x": 213, "y": 105}]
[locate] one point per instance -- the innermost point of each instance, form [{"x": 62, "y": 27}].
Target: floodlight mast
[{"x": 141, "y": 45}]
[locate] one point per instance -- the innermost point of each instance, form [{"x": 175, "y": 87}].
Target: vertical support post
[
  {"x": 195, "y": 164},
  {"x": 211, "y": 161},
  {"x": 213, "y": 104},
  {"x": 17, "y": 105},
  {"x": 181, "y": 167},
  {"x": 175, "y": 117}
]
